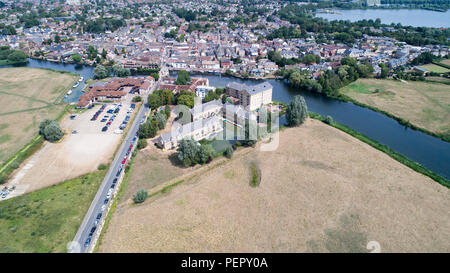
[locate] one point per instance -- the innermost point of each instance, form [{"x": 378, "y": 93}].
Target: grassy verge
[
  {"x": 46, "y": 220},
  {"x": 14, "y": 161},
  {"x": 400, "y": 158},
  {"x": 120, "y": 193},
  {"x": 256, "y": 176},
  {"x": 400, "y": 120}
]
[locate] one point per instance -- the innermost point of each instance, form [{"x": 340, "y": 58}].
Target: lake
[{"x": 406, "y": 17}]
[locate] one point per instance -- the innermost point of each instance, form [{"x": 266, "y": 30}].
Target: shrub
[
  {"x": 328, "y": 120},
  {"x": 142, "y": 143},
  {"x": 53, "y": 132},
  {"x": 229, "y": 152},
  {"x": 3, "y": 179},
  {"x": 102, "y": 167},
  {"x": 256, "y": 177},
  {"x": 140, "y": 196},
  {"x": 137, "y": 99}
]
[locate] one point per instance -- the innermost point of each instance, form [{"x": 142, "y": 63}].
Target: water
[
  {"x": 87, "y": 72},
  {"x": 429, "y": 151},
  {"x": 406, "y": 17}
]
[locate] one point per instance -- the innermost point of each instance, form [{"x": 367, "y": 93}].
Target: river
[
  {"x": 406, "y": 17},
  {"x": 429, "y": 151}
]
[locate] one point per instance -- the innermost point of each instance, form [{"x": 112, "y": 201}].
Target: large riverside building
[{"x": 250, "y": 97}]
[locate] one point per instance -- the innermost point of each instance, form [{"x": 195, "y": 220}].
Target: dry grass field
[
  {"x": 426, "y": 105},
  {"x": 28, "y": 96},
  {"x": 321, "y": 191}
]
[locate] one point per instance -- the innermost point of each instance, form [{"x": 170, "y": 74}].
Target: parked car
[
  {"x": 106, "y": 201},
  {"x": 92, "y": 230},
  {"x": 103, "y": 120},
  {"x": 104, "y": 129},
  {"x": 115, "y": 180},
  {"x": 75, "y": 132},
  {"x": 103, "y": 207},
  {"x": 113, "y": 185},
  {"x": 99, "y": 216},
  {"x": 88, "y": 241},
  {"x": 72, "y": 116}
]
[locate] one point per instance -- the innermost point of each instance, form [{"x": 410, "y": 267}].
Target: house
[
  {"x": 250, "y": 97},
  {"x": 202, "y": 90},
  {"x": 196, "y": 130},
  {"x": 206, "y": 110}
]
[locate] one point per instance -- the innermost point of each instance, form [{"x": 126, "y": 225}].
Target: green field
[
  {"x": 47, "y": 220},
  {"x": 435, "y": 68},
  {"x": 423, "y": 104}
]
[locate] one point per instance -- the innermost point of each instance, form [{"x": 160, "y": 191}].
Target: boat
[
  {"x": 75, "y": 85},
  {"x": 70, "y": 92},
  {"x": 81, "y": 79}
]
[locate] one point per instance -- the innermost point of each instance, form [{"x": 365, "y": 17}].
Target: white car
[{"x": 103, "y": 207}]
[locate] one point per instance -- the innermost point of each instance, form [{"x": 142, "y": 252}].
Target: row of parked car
[
  {"x": 110, "y": 192},
  {"x": 127, "y": 117},
  {"x": 98, "y": 112}
]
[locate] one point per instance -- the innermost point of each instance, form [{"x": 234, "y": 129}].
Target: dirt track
[{"x": 321, "y": 191}]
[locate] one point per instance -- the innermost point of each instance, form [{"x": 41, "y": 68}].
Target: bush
[
  {"x": 328, "y": 120},
  {"x": 102, "y": 167},
  {"x": 3, "y": 179},
  {"x": 142, "y": 143},
  {"x": 137, "y": 99},
  {"x": 53, "y": 132},
  {"x": 229, "y": 152},
  {"x": 140, "y": 196}
]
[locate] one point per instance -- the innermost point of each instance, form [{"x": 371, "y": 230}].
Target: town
[{"x": 224, "y": 126}]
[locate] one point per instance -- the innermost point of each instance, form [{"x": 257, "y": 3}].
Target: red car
[
  {"x": 131, "y": 146},
  {"x": 124, "y": 160}
]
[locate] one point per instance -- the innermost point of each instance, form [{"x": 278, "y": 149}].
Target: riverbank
[{"x": 422, "y": 106}]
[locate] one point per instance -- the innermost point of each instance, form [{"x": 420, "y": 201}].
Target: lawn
[
  {"x": 47, "y": 220},
  {"x": 435, "y": 68},
  {"x": 425, "y": 105},
  {"x": 321, "y": 191},
  {"x": 28, "y": 96}
]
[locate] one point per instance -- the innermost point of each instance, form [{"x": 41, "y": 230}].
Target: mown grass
[
  {"x": 400, "y": 158},
  {"x": 47, "y": 220}
]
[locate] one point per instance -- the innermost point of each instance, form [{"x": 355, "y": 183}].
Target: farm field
[
  {"x": 46, "y": 220},
  {"x": 28, "y": 96},
  {"x": 320, "y": 191},
  {"x": 425, "y": 105},
  {"x": 435, "y": 68}
]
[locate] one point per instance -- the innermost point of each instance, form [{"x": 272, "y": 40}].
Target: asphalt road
[{"x": 78, "y": 245}]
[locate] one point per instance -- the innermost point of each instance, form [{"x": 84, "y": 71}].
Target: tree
[
  {"x": 104, "y": 53},
  {"x": 153, "y": 101},
  {"x": 296, "y": 111},
  {"x": 229, "y": 152},
  {"x": 142, "y": 143},
  {"x": 188, "y": 152},
  {"x": 17, "y": 56},
  {"x": 384, "y": 71},
  {"x": 137, "y": 99},
  {"x": 53, "y": 132},
  {"x": 167, "y": 111},
  {"x": 183, "y": 78},
  {"x": 42, "y": 126},
  {"x": 161, "y": 120},
  {"x": 140, "y": 196},
  {"x": 148, "y": 130},
  {"x": 205, "y": 153},
  {"x": 100, "y": 72},
  {"x": 186, "y": 99},
  {"x": 76, "y": 58}
]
